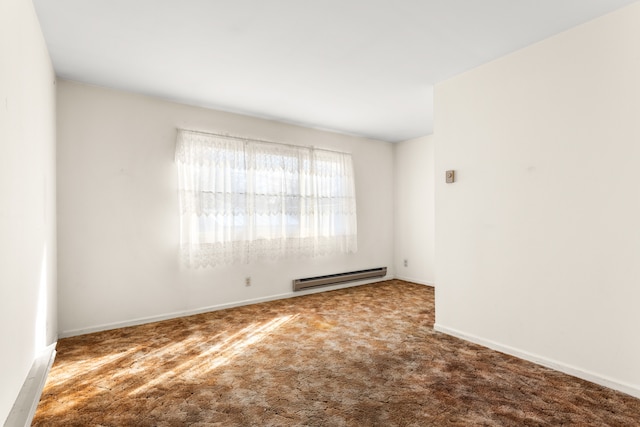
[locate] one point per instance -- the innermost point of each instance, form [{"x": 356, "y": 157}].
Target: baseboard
[
  {"x": 24, "y": 408},
  {"x": 412, "y": 280},
  {"x": 544, "y": 361},
  {"x": 176, "y": 314}
]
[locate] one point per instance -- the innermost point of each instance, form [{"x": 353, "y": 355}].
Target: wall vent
[{"x": 332, "y": 279}]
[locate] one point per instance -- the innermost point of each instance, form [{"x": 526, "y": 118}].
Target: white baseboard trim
[
  {"x": 418, "y": 281},
  {"x": 24, "y": 408},
  {"x": 629, "y": 389},
  {"x": 176, "y": 314}
]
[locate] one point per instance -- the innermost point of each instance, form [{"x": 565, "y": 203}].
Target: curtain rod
[{"x": 246, "y": 139}]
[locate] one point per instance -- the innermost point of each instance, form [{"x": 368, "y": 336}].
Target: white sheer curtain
[{"x": 243, "y": 200}]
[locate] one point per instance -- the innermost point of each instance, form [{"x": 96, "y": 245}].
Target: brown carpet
[{"x": 362, "y": 356}]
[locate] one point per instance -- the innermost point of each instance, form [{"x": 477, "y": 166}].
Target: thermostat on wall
[{"x": 450, "y": 176}]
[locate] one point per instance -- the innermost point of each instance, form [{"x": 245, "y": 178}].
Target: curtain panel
[{"x": 244, "y": 200}]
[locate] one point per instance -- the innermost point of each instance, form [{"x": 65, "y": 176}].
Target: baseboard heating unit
[{"x": 332, "y": 279}]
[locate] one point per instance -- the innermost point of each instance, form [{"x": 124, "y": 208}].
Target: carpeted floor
[{"x": 362, "y": 356}]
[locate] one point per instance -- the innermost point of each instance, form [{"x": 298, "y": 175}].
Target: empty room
[{"x": 330, "y": 213}]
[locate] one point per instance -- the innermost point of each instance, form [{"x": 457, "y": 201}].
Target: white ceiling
[{"x": 363, "y": 67}]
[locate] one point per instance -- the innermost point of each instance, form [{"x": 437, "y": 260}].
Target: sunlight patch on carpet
[{"x": 218, "y": 355}]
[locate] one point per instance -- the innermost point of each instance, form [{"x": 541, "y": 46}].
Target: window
[{"x": 243, "y": 200}]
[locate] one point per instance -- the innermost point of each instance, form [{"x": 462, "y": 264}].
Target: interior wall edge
[
  {"x": 416, "y": 281},
  {"x": 630, "y": 389},
  {"x": 217, "y": 307},
  {"x": 24, "y": 408}
]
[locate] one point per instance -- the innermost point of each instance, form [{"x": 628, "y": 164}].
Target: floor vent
[{"x": 332, "y": 279}]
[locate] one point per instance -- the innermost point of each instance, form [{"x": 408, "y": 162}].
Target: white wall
[
  {"x": 539, "y": 239},
  {"x": 118, "y": 213},
  {"x": 27, "y": 197},
  {"x": 414, "y": 210}
]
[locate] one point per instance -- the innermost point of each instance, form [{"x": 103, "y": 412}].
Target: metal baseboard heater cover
[{"x": 332, "y": 279}]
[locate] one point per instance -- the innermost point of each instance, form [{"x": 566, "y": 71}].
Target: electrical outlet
[
  {"x": 247, "y": 281},
  {"x": 406, "y": 263}
]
